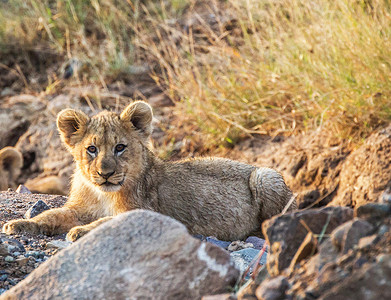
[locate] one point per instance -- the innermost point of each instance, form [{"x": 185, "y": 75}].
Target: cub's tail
[{"x": 271, "y": 192}]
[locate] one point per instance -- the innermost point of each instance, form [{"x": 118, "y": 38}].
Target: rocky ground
[{"x": 21, "y": 254}]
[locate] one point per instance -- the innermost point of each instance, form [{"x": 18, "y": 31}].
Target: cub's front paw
[
  {"x": 20, "y": 226},
  {"x": 76, "y": 233}
]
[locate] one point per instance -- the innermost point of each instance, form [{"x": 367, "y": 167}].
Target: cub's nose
[{"x": 105, "y": 175}]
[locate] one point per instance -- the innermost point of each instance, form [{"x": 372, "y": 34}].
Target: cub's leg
[
  {"x": 77, "y": 232},
  {"x": 50, "y": 222}
]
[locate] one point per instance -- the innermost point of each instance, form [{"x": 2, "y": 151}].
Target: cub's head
[
  {"x": 11, "y": 161},
  {"x": 108, "y": 148}
]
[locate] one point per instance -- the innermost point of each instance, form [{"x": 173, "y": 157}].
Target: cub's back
[{"x": 210, "y": 195}]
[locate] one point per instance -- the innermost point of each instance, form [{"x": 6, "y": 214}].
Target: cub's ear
[
  {"x": 139, "y": 114},
  {"x": 71, "y": 125}
]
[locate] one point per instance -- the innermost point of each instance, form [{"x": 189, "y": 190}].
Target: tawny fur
[
  {"x": 213, "y": 197},
  {"x": 11, "y": 162}
]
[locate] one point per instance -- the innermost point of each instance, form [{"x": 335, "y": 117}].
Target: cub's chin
[{"x": 109, "y": 187}]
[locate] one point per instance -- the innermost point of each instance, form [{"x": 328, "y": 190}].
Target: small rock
[
  {"x": 58, "y": 244},
  {"x": 273, "y": 289},
  {"x": 3, "y": 277},
  {"x": 383, "y": 230},
  {"x": 366, "y": 241},
  {"x": 23, "y": 190},
  {"x": 9, "y": 259},
  {"x": 373, "y": 212},
  {"x": 22, "y": 261},
  {"x": 346, "y": 236},
  {"x": 11, "y": 282},
  {"x": 7, "y": 91},
  {"x": 11, "y": 248},
  {"x": 384, "y": 258},
  {"x": 243, "y": 258},
  {"x": 239, "y": 245},
  {"x": 36, "y": 209},
  {"x": 35, "y": 254},
  {"x": 3, "y": 250},
  {"x": 256, "y": 241},
  {"x": 386, "y": 196},
  {"x": 16, "y": 253}
]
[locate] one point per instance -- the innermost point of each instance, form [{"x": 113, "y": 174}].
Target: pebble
[
  {"x": 9, "y": 259},
  {"x": 11, "y": 282},
  {"x": 22, "y": 261},
  {"x": 3, "y": 277},
  {"x": 239, "y": 245},
  {"x": 16, "y": 253},
  {"x": 11, "y": 248},
  {"x": 3, "y": 250},
  {"x": 23, "y": 190},
  {"x": 38, "y": 207},
  {"x": 58, "y": 244},
  {"x": 2, "y": 291},
  {"x": 383, "y": 230},
  {"x": 35, "y": 254}
]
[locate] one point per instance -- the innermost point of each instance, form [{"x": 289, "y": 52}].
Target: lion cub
[
  {"x": 116, "y": 172},
  {"x": 11, "y": 162}
]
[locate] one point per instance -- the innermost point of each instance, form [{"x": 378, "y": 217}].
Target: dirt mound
[{"x": 366, "y": 173}]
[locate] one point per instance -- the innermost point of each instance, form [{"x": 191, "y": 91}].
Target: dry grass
[
  {"x": 233, "y": 67},
  {"x": 281, "y": 67}
]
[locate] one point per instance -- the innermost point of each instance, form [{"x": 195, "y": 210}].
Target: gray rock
[
  {"x": 35, "y": 254},
  {"x": 273, "y": 289},
  {"x": 3, "y": 250},
  {"x": 58, "y": 244},
  {"x": 367, "y": 241},
  {"x": 22, "y": 190},
  {"x": 12, "y": 248},
  {"x": 22, "y": 261},
  {"x": 286, "y": 233},
  {"x": 9, "y": 259},
  {"x": 373, "y": 212},
  {"x": 346, "y": 236},
  {"x": 36, "y": 209},
  {"x": 139, "y": 254}
]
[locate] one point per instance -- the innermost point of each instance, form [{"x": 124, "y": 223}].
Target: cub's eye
[
  {"x": 119, "y": 148},
  {"x": 92, "y": 149}
]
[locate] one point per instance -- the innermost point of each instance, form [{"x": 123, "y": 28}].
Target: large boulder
[
  {"x": 139, "y": 254},
  {"x": 286, "y": 233}
]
